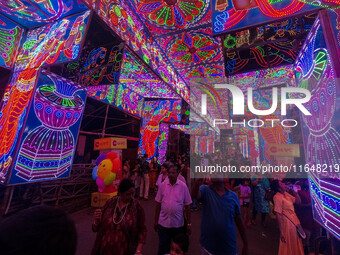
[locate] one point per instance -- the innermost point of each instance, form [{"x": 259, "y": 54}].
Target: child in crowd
[
  {"x": 245, "y": 193},
  {"x": 135, "y": 177},
  {"x": 179, "y": 245}
]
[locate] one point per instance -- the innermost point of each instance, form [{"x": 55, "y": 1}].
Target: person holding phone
[{"x": 290, "y": 243}]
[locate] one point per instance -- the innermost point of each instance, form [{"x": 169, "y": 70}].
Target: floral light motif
[
  {"x": 193, "y": 48},
  {"x": 172, "y": 13}
]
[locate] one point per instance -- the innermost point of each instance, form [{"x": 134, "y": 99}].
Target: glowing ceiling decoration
[
  {"x": 142, "y": 80},
  {"x": 282, "y": 75},
  {"x": 233, "y": 14},
  {"x": 192, "y": 48},
  {"x": 170, "y": 13},
  {"x": 124, "y": 21},
  {"x": 128, "y": 100},
  {"x": 10, "y": 39},
  {"x": 104, "y": 93},
  {"x": 51, "y": 130},
  {"x": 32, "y": 13},
  {"x": 53, "y": 43}
]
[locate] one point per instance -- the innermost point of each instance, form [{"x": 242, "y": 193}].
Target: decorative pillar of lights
[
  {"x": 315, "y": 72},
  {"x": 47, "y": 150}
]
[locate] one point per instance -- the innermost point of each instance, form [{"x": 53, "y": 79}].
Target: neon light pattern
[
  {"x": 120, "y": 17},
  {"x": 155, "y": 112},
  {"x": 326, "y": 203},
  {"x": 234, "y": 14},
  {"x": 48, "y": 144},
  {"x": 49, "y": 40},
  {"x": 104, "y": 93},
  {"x": 101, "y": 65},
  {"x": 203, "y": 73},
  {"x": 128, "y": 100},
  {"x": 141, "y": 80},
  {"x": 54, "y": 43},
  {"x": 316, "y": 73},
  {"x": 172, "y": 14},
  {"x": 264, "y": 78},
  {"x": 194, "y": 128},
  {"x": 10, "y": 38},
  {"x": 192, "y": 48},
  {"x": 163, "y": 143},
  {"x": 33, "y": 13}
]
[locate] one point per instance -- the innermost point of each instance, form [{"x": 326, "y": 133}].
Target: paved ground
[{"x": 261, "y": 241}]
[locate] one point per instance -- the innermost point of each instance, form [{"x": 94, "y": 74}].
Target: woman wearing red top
[{"x": 120, "y": 224}]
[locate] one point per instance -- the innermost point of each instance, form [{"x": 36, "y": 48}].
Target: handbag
[{"x": 301, "y": 233}]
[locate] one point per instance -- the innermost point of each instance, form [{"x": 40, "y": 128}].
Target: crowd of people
[{"x": 226, "y": 205}]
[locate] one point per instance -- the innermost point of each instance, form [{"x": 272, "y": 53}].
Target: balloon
[
  {"x": 108, "y": 180},
  {"x": 116, "y": 164},
  {"x": 94, "y": 173},
  {"x": 104, "y": 168},
  {"x": 111, "y": 155},
  {"x": 100, "y": 158},
  {"x": 100, "y": 184}
]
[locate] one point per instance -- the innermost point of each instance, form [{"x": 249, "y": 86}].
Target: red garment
[{"x": 112, "y": 238}]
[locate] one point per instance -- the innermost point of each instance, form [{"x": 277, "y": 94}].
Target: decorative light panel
[
  {"x": 10, "y": 39},
  {"x": 53, "y": 43},
  {"x": 165, "y": 16},
  {"x": 33, "y": 13},
  {"x": 128, "y": 100},
  {"x": 51, "y": 130},
  {"x": 232, "y": 14},
  {"x": 100, "y": 65},
  {"x": 48, "y": 44},
  {"x": 142, "y": 80},
  {"x": 124, "y": 21},
  {"x": 104, "y": 93},
  {"x": 155, "y": 112},
  {"x": 192, "y": 48},
  {"x": 315, "y": 72}
]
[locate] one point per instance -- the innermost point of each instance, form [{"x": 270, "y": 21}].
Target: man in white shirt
[{"x": 173, "y": 203}]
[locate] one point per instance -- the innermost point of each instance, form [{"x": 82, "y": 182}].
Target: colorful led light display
[
  {"x": 53, "y": 43},
  {"x": 33, "y": 13},
  {"x": 104, "y": 93},
  {"x": 155, "y": 112},
  {"x": 123, "y": 20},
  {"x": 194, "y": 128},
  {"x": 51, "y": 130},
  {"x": 192, "y": 48},
  {"x": 101, "y": 65},
  {"x": 143, "y": 81},
  {"x": 264, "y": 78},
  {"x": 128, "y": 100},
  {"x": 315, "y": 71},
  {"x": 163, "y": 143},
  {"x": 10, "y": 39},
  {"x": 233, "y": 14},
  {"x": 48, "y": 44},
  {"x": 172, "y": 14}
]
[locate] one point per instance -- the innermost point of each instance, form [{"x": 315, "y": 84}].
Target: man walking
[
  {"x": 220, "y": 212},
  {"x": 145, "y": 181},
  {"x": 173, "y": 203}
]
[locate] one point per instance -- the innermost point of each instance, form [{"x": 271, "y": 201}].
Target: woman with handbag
[
  {"x": 291, "y": 231},
  {"x": 120, "y": 224}
]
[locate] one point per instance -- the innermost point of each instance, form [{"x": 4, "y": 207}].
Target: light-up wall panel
[{"x": 51, "y": 130}]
